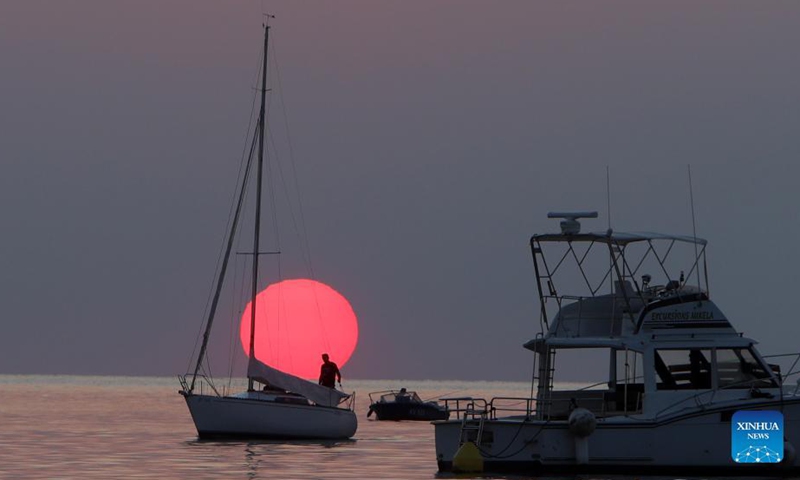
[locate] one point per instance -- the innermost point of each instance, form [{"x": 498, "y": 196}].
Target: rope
[
  {"x": 301, "y": 231},
  {"x": 500, "y": 455},
  {"x": 242, "y": 162}
]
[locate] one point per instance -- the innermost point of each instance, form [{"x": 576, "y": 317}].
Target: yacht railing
[
  {"x": 694, "y": 398},
  {"x": 790, "y": 371},
  {"x": 578, "y": 300},
  {"x": 349, "y": 402},
  {"x": 203, "y": 385},
  {"x": 699, "y": 403},
  {"x": 467, "y": 407},
  {"x": 565, "y": 401},
  {"x": 556, "y": 407},
  {"x": 513, "y": 406},
  {"x": 475, "y": 408}
]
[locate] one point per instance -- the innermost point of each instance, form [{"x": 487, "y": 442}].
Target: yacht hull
[
  {"x": 690, "y": 443},
  {"x": 218, "y": 417}
]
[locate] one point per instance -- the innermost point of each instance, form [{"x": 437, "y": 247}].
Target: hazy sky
[{"x": 430, "y": 140}]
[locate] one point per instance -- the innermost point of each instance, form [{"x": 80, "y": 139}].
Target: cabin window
[
  {"x": 606, "y": 381},
  {"x": 683, "y": 369},
  {"x": 739, "y": 368},
  {"x": 580, "y": 379}
]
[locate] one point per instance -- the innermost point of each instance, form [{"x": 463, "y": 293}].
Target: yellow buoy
[{"x": 468, "y": 459}]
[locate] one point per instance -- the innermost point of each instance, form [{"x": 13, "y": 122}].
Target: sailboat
[{"x": 284, "y": 406}]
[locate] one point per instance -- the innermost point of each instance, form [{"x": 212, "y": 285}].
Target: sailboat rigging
[{"x": 287, "y": 406}]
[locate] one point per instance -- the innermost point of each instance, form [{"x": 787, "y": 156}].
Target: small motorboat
[{"x": 404, "y": 405}]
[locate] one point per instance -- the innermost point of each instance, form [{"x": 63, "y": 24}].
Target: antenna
[
  {"x": 608, "y": 206},
  {"x": 608, "y": 194},
  {"x": 694, "y": 224}
]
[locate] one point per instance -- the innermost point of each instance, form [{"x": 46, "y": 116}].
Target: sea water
[
  {"x": 134, "y": 427},
  {"x": 83, "y": 427}
]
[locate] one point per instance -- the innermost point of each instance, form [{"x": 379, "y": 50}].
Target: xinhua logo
[{"x": 757, "y": 436}]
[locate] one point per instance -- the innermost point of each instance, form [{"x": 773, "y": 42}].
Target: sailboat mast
[{"x": 257, "y": 227}]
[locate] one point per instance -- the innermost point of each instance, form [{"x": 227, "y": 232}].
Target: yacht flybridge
[{"x": 675, "y": 372}]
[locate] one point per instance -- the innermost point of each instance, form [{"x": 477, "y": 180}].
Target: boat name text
[{"x": 703, "y": 315}]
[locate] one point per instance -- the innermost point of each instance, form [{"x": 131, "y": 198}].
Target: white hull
[
  {"x": 249, "y": 417},
  {"x": 694, "y": 443}
]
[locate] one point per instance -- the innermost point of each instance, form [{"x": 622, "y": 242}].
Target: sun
[{"x": 296, "y": 322}]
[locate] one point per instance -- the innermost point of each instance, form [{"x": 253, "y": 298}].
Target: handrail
[
  {"x": 791, "y": 371},
  {"x": 529, "y": 409},
  {"x": 349, "y": 401},
  {"x": 468, "y": 408},
  {"x": 204, "y": 380},
  {"x": 587, "y": 387},
  {"x": 712, "y": 394}
]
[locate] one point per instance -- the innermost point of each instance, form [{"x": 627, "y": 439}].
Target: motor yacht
[{"x": 678, "y": 385}]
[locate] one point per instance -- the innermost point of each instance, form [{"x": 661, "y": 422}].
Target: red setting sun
[{"x": 296, "y": 322}]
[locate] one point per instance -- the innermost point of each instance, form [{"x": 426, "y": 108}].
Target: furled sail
[{"x": 261, "y": 372}]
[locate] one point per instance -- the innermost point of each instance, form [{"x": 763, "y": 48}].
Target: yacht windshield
[
  {"x": 691, "y": 369},
  {"x": 683, "y": 369},
  {"x": 739, "y": 368}
]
